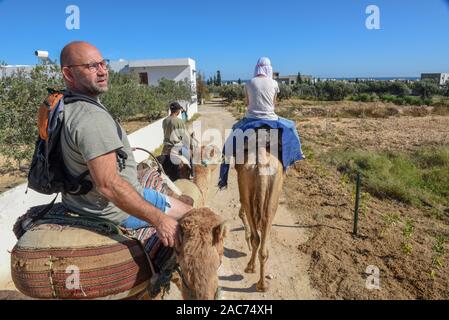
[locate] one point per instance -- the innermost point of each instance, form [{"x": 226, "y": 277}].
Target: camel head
[
  {"x": 205, "y": 163},
  {"x": 200, "y": 253}
]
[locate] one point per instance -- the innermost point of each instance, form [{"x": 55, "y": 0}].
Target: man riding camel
[
  {"x": 176, "y": 152},
  {"x": 89, "y": 141}
]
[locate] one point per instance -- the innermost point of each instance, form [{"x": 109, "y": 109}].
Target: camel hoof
[
  {"x": 250, "y": 269},
  {"x": 261, "y": 287}
]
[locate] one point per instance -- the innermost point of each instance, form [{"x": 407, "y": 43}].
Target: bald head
[{"x": 74, "y": 52}]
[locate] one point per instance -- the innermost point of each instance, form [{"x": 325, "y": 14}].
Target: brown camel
[
  {"x": 260, "y": 186},
  {"x": 197, "y": 258},
  {"x": 199, "y": 187},
  {"x": 200, "y": 254}
]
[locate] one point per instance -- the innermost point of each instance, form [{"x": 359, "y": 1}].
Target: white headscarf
[{"x": 263, "y": 67}]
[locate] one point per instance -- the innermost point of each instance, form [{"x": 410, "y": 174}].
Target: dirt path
[{"x": 286, "y": 264}]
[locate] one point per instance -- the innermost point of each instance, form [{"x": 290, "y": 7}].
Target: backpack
[{"x": 48, "y": 174}]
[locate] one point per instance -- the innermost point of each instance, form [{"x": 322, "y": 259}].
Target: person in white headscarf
[{"x": 261, "y": 92}]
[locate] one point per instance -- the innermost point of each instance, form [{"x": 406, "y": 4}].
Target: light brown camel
[
  {"x": 199, "y": 187},
  {"x": 199, "y": 255},
  {"x": 193, "y": 192},
  {"x": 198, "y": 260},
  {"x": 260, "y": 186}
]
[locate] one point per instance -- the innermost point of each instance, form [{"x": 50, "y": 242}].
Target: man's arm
[{"x": 103, "y": 171}]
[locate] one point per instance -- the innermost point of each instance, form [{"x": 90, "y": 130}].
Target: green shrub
[
  {"x": 414, "y": 101},
  {"x": 387, "y": 98},
  {"x": 285, "y": 91},
  {"x": 232, "y": 92},
  {"x": 365, "y": 97},
  {"x": 445, "y": 89},
  {"x": 305, "y": 91},
  {"x": 335, "y": 90},
  {"x": 425, "y": 88},
  {"x": 396, "y": 88},
  {"x": 414, "y": 179},
  {"x": 21, "y": 95}
]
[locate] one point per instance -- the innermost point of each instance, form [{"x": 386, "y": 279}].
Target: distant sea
[
  {"x": 352, "y": 79},
  {"x": 379, "y": 78}
]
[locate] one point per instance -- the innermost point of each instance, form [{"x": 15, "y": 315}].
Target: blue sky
[{"x": 325, "y": 38}]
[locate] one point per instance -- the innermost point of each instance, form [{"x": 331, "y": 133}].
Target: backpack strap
[
  {"x": 70, "y": 98},
  {"x": 121, "y": 155}
]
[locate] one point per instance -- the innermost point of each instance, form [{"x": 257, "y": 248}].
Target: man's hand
[
  {"x": 103, "y": 171},
  {"x": 167, "y": 229}
]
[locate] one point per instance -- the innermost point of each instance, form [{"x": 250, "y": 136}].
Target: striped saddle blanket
[{"x": 162, "y": 259}]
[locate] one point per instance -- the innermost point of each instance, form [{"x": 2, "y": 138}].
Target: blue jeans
[{"x": 157, "y": 199}]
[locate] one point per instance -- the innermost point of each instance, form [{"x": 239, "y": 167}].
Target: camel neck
[{"x": 202, "y": 178}]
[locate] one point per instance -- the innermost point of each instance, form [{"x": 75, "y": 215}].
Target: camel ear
[
  {"x": 219, "y": 233},
  {"x": 212, "y": 153}
]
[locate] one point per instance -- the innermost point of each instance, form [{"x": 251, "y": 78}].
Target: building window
[{"x": 143, "y": 78}]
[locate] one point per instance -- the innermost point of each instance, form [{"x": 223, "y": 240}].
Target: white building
[
  {"x": 441, "y": 78},
  {"x": 9, "y": 70},
  {"x": 290, "y": 79},
  {"x": 151, "y": 71}
]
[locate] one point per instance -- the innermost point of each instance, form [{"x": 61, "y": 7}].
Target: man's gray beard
[{"x": 96, "y": 90}]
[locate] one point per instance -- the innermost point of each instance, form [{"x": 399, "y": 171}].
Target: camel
[
  {"x": 200, "y": 228},
  {"x": 192, "y": 192},
  {"x": 260, "y": 186},
  {"x": 199, "y": 255},
  {"x": 199, "y": 187},
  {"x": 198, "y": 260}
]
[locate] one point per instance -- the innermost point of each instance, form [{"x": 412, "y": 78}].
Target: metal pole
[{"x": 357, "y": 202}]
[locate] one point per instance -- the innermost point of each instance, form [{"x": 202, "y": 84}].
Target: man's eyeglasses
[{"x": 93, "y": 66}]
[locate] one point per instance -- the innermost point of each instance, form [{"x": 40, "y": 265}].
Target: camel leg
[
  {"x": 255, "y": 241},
  {"x": 242, "y": 216},
  {"x": 262, "y": 286}
]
